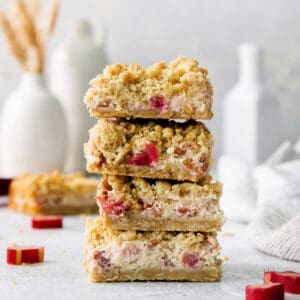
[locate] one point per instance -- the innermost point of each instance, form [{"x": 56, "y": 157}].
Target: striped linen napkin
[{"x": 275, "y": 226}]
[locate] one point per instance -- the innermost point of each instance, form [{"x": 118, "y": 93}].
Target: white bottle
[
  {"x": 74, "y": 63},
  {"x": 251, "y": 115},
  {"x": 32, "y": 130}
]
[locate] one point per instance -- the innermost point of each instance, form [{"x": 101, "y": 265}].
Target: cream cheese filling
[{"x": 146, "y": 254}]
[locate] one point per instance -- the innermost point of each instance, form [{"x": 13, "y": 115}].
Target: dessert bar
[
  {"x": 132, "y": 203},
  {"x": 113, "y": 255},
  {"x": 151, "y": 149},
  {"x": 180, "y": 90},
  {"x": 53, "y": 193}
]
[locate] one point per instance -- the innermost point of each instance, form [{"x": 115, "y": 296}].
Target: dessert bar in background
[
  {"x": 152, "y": 149},
  {"x": 132, "y": 203},
  {"x": 53, "y": 193},
  {"x": 180, "y": 90},
  {"x": 113, "y": 255}
]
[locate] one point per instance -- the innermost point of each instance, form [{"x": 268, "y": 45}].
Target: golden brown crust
[
  {"x": 183, "y": 88},
  {"x": 110, "y": 113},
  {"x": 183, "y": 150},
  {"x": 97, "y": 234},
  {"x": 172, "y": 172},
  {"x": 53, "y": 193},
  {"x": 210, "y": 274},
  {"x": 132, "y": 221}
]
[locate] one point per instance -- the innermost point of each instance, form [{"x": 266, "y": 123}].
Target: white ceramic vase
[
  {"x": 251, "y": 128},
  {"x": 251, "y": 133},
  {"x": 32, "y": 129},
  {"x": 74, "y": 63}
]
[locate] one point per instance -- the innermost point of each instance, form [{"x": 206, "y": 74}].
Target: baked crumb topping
[
  {"x": 183, "y": 86},
  {"x": 134, "y": 191}
]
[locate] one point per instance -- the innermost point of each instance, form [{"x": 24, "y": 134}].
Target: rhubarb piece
[
  {"x": 102, "y": 261},
  {"x": 190, "y": 259},
  {"x": 53, "y": 194},
  {"x": 115, "y": 255},
  {"x": 44, "y": 222},
  {"x": 267, "y": 291},
  {"x": 180, "y": 90},
  {"x": 158, "y": 103},
  {"x": 148, "y": 156},
  {"x": 152, "y": 149},
  {"x": 110, "y": 206},
  {"x": 133, "y": 203},
  {"x": 290, "y": 279},
  {"x": 17, "y": 255}
]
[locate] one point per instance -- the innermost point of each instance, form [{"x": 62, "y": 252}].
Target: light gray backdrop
[{"x": 146, "y": 31}]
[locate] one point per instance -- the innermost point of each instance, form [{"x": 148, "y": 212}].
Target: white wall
[{"x": 145, "y": 31}]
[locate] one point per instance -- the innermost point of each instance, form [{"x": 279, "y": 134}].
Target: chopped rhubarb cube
[
  {"x": 44, "y": 222},
  {"x": 152, "y": 152},
  {"x": 190, "y": 259},
  {"x": 17, "y": 255},
  {"x": 102, "y": 260},
  {"x": 269, "y": 291},
  {"x": 113, "y": 207},
  {"x": 291, "y": 280},
  {"x": 158, "y": 103},
  {"x": 146, "y": 157},
  {"x": 182, "y": 210},
  {"x": 140, "y": 159}
]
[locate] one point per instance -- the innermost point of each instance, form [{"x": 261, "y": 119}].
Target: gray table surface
[{"x": 61, "y": 276}]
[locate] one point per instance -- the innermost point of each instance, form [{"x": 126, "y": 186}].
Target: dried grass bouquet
[{"x": 25, "y": 37}]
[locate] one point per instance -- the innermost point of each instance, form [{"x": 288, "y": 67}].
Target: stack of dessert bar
[{"x": 159, "y": 209}]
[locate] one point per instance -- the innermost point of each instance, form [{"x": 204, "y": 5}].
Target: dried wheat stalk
[
  {"x": 25, "y": 38},
  {"x": 33, "y": 7},
  {"x": 15, "y": 46},
  {"x": 25, "y": 25},
  {"x": 51, "y": 18},
  {"x": 28, "y": 35}
]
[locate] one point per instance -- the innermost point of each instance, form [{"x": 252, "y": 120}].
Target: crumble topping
[
  {"x": 181, "y": 89},
  {"x": 135, "y": 189}
]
